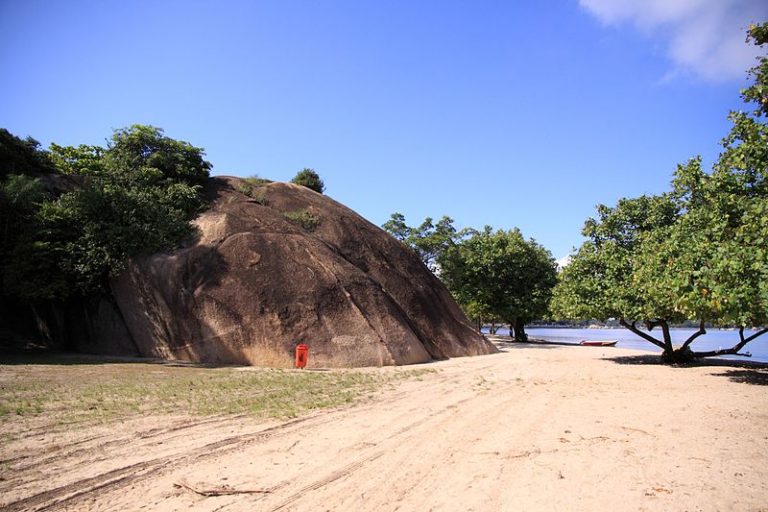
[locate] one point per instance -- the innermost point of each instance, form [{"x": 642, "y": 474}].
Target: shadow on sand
[
  {"x": 744, "y": 372},
  {"x": 506, "y": 343}
]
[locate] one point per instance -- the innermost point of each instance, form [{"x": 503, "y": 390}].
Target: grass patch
[
  {"x": 304, "y": 218},
  {"x": 257, "y": 181},
  {"x": 96, "y": 393},
  {"x": 253, "y": 192}
]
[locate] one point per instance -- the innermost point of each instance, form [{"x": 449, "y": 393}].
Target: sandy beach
[{"x": 535, "y": 427}]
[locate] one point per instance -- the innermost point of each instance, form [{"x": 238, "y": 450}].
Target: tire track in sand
[
  {"x": 70, "y": 494},
  {"x": 402, "y": 453}
]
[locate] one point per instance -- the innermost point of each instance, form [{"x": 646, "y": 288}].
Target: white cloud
[
  {"x": 563, "y": 262},
  {"x": 705, "y": 37}
]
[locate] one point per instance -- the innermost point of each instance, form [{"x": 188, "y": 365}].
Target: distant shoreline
[{"x": 714, "y": 339}]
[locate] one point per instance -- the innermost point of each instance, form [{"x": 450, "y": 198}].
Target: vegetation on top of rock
[
  {"x": 257, "y": 180},
  {"x": 135, "y": 196},
  {"x": 310, "y": 179},
  {"x": 22, "y": 156},
  {"x": 254, "y": 192}
]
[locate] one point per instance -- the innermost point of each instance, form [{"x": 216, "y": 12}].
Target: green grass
[
  {"x": 253, "y": 192},
  {"x": 256, "y": 180},
  {"x": 108, "y": 392}
]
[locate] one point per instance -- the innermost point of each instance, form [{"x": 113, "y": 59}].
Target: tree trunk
[
  {"x": 669, "y": 354},
  {"x": 681, "y": 355},
  {"x": 518, "y": 327}
]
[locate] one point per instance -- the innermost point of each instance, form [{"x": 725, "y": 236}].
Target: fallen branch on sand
[{"x": 224, "y": 490}]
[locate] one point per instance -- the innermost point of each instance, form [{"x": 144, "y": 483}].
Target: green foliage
[
  {"x": 492, "y": 275},
  {"x": 500, "y": 274},
  {"x": 245, "y": 189},
  {"x": 310, "y": 179},
  {"x": 304, "y": 218},
  {"x": 82, "y": 160},
  {"x": 429, "y": 241},
  {"x": 143, "y": 154},
  {"x": 20, "y": 197},
  {"x": 604, "y": 263},
  {"x": 699, "y": 252},
  {"x": 758, "y": 92},
  {"x": 137, "y": 197},
  {"x": 97, "y": 229},
  {"x": 22, "y": 156}
]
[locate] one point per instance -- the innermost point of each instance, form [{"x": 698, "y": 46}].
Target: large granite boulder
[{"x": 279, "y": 264}]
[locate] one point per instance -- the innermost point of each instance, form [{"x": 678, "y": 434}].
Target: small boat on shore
[{"x": 598, "y": 343}]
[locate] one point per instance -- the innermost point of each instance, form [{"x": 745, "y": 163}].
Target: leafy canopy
[
  {"x": 22, "y": 156},
  {"x": 493, "y": 275},
  {"x": 429, "y": 241},
  {"x": 698, "y": 252},
  {"x": 136, "y": 196},
  {"x": 501, "y": 274}
]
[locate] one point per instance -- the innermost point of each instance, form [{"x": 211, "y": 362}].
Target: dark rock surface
[{"x": 276, "y": 265}]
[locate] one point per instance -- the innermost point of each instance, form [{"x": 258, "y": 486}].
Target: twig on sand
[
  {"x": 224, "y": 490},
  {"x": 636, "y": 430}
]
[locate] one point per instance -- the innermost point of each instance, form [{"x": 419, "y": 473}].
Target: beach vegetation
[
  {"x": 430, "y": 240},
  {"x": 495, "y": 276},
  {"x": 136, "y": 196},
  {"x": 22, "y": 156},
  {"x": 697, "y": 252},
  {"x": 501, "y": 275}
]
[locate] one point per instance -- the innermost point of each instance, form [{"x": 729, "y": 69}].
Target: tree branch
[
  {"x": 694, "y": 335},
  {"x": 652, "y": 324},
  {"x": 218, "y": 491},
  {"x": 647, "y": 337},
  {"x": 735, "y": 349}
]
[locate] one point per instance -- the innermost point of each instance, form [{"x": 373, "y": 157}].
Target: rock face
[{"x": 278, "y": 264}]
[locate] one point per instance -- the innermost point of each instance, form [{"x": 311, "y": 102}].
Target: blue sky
[{"x": 512, "y": 114}]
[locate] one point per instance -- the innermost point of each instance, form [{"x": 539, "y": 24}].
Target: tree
[
  {"x": 22, "y": 156},
  {"x": 137, "y": 197},
  {"x": 20, "y": 198},
  {"x": 502, "y": 275},
  {"x": 144, "y": 154},
  {"x": 21, "y": 194},
  {"x": 429, "y": 241},
  {"x": 81, "y": 160},
  {"x": 310, "y": 179},
  {"x": 699, "y": 252}
]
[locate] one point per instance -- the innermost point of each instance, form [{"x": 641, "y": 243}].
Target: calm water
[{"x": 714, "y": 339}]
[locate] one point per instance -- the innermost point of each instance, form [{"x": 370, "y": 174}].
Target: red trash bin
[{"x": 302, "y": 354}]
